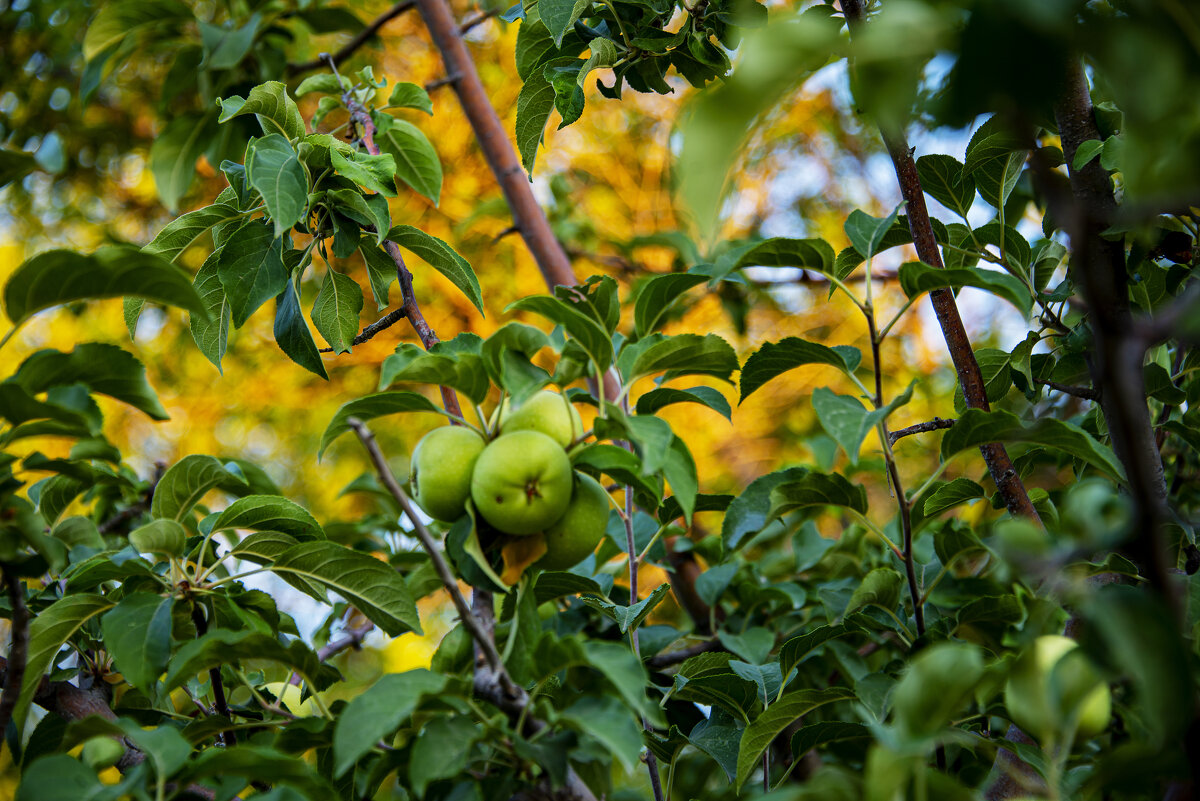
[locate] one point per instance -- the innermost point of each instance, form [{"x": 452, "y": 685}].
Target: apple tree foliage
[{"x": 867, "y": 665}]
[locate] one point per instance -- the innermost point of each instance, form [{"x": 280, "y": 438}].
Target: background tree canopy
[{"x": 877, "y": 318}]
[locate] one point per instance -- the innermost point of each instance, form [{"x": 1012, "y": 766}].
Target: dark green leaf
[
  {"x": 917, "y": 277},
  {"x": 791, "y": 707},
  {"x": 775, "y": 358},
  {"x": 269, "y": 102},
  {"x": 379, "y": 711},
  {"x": 137, "y": 634},
  {"x": 442, "y": 258},
  {"x": 105, "y": 369},
  {"x": 274, "y": 169},
  {"x": 371, "y": 406},
  {"x": 292, "y": 334},
  {"x": 958, "y": 491},
  {"x": 942, "y": 177},
  {"x": 251, "y": 270},
  {"x": 416, "y": 162},
  {"x": 185, "y": 483},
  {"x": 51, "y": 628},
  {"x": 269, "y": 513},
  {"x": 657, "y": 295},
  {"x": 336, "y": 309},
  {"x": 976, "y": 427}
]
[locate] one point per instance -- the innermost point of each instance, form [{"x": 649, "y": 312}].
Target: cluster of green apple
[{"x": 521, "y": 482}]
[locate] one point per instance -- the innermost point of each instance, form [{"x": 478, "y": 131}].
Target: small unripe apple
[
  {"x": 1053, "y": 683},
  {"x": 442, "y": 464},
  {"x": 575, "y": 535},
  {"x": 522, "y": 482},
  {"x": 547, "y": 412}
]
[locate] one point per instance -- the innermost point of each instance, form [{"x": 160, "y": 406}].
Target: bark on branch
[
  {"x": 361, "y": 38},
  {"x": 1009, "y": 484}
]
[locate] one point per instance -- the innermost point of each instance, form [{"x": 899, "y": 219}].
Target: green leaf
[
  {"x": 958, "y": 491},
  {"x": 622, "y": 669},
  {"x": 274, "y": 169},
  {"x": 174, "y": 154},
  {"x": 662, "y": 397},
  {"x": 559, "y": 16},
  {"x": 808, "y": 254},
  {"x": 269, "y": 513},
  {"x": 917, "y": 277},
  {"x": 825, "y": 733},
  {"x": 775, "y": 358},
  {"x": 166, "y": 537},
  {"x": 656, "y": 297},
  {"x": 369, "y": 407},
  {"x": 323, "y": 82},
  {"x": 292, "y": 334},
  {"x": 416, "y": 162},
  {"x": 212, "y": 334},
  {"x": 976, "y": 427},
  {"x": 797, "y": 649},
  {"x": 618, "y": 463},
  {"x": 442, "y": 751},
  {"x": 185, "y": 483},
  {"x": 943, "y": 177},
  {"x": 381, "y": 271},
  {"x": 410, "y": 95},
  {"x": 137, "y": 634},
  {"x": 368, "y": 210},
  {"x": 259, "y": 763},
  {"x": 609, "y": 722},
  {"x": 628, "y": 617},
  {"x": 462, "y": 371},
  {"x": 881, "y": 587},
  {"x": 441, "y": 257},
  {"x": 584, "y": 330},
  {"x": 680, "y": 473},
  {"x": 1086, "y": 152},
  {"x": 376, "y": 589},
  {"x": 719, "y": 737},
  {"x": 336, "y": 309},
  {"x": 684, "y": 354},
  {"x": 50, "y": 628},
  {"x": 269, "y": 102},
  {"x": 56, "y": 277},
  {"x": 221, "y": 646},
  {"x": 58, "y": 777},
  {"x": 251, "y": 270},
  {"x": 226, "y": 45},
  {"x": 866, "y": 232},
  {"x": 375, "y": 173},
  {"x": 14, "y": 165},
  {"x": 790, "y": 708},
  {"x": 534, "y": 104},
  {"x": 105, "y": 369},
  {"x": 816, "y": 489},
  {"x": 378, "y": 712},
  {"x": 938, "y": 684},
  {"x": 179, "y": 234},
  {"x": 848, "y": 421}
]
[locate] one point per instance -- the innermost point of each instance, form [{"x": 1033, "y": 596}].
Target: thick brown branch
[
  {"x": 19, "y": 649},
  {"x": 361, "y": 38},
  {"x": 935, "y": 424},
  {"x": 1009, "y": 484},
  {"x": 497, "y": 149}
]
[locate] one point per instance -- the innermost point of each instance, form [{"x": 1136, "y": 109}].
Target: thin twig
[
  {"x": 385, "y": 322},
  {"x": 479, "y": 20},
  {"x": 220, "y": 704},
  {"x": 352, "y": 639},
  {"x": 360, "y": 118},
  {"x": 1087, "y": 393},
  {"x": 19, "y": 649},
  {"x": 470, "y": 622},
  {"x": 361, "y": 38},
  {"x": 935, "y": 424}
]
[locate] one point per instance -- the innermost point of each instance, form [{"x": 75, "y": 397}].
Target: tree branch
[
  {"x": 351, "y": 639},
  {"x": 1008, "y": 482},
  {"x": 19, "y": 650},
  {"x": 361, "y": 38},
  {"x": 214, "y": 676},
  {"x": 383, "y": 323},
  {"x": 361, "y": 119},
  {"x": 935, "y": 424},
  {"x": 497, "y": 149},
  {"x": 1087, "y": 393}
]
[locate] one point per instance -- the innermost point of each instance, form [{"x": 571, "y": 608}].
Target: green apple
[
  {"x": 1052, "y": 685},
  {"x": 442, "y": 464},
  {"x": 522, "y": 482},
  {"x": 574, "y": 536},
  {"x": 547, "y": 412}
]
